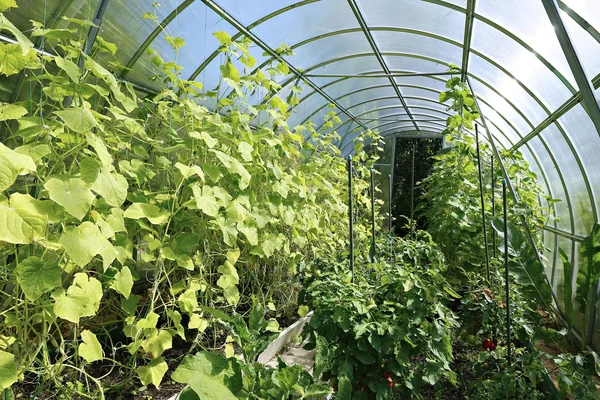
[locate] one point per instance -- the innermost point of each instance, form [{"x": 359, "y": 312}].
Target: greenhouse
[{"x": 307, "y": 199}]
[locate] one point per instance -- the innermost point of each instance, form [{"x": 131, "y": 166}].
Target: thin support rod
[
  {"x": 485, "y": 238},
  {"x": 380, "y": 75},
  {"x": 351, "y": 217},
  {"x": 412, "y": 186},
  {"x": 390, "y": 204},
  {"x": 584, "y": 84},
  {"x": 506, "y": 275},
  {"x": 493, "y": 205},
  {"x": 93, "y": 31},
  {"x": 373, "y": 233},
  {"x": 513, "y": 193},
  {"x": 469, "y": 19}
]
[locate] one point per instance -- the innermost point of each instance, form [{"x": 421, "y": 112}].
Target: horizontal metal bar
[
  {"x": 565, "y": 234},
  {"x": 380, "y": 75}
]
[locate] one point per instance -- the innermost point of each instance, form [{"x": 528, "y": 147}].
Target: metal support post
[
  {"x": 390, "y": 204},
  {"x": 373, "y": 248},
  {"x": 493, "y": 205},
  {"x": 506, "y": 275},
  {"x": 351, "y": 217},
  {"x": 485, "y": 239},
  {"x": 412, "y": 186}
]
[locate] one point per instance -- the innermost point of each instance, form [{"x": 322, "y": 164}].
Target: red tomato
[{"x": 488, "y": 345}]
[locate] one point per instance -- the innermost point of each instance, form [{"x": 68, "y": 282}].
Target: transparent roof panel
[
  {"x": 508, "y": 87},
  {"x": 583, "y": 7},
  {"x": 371, "y": 92},
  {"x": 522, "y": 64},
  {"x": 355, "y": 65},
  {"x": 247, "y": 11},
  {"x": 585, "y": 139},
  {"x": 573, "y": 176},
  {"x": 528, "y": 21},
  {"x": 494, "y": 118},
  {"x": 413, "y": 43},
  {"x": 305, "y": 22},
  {"x": 588, "y": 49},
  {"x": 350, "y": 85},
  {"x": 411, "y": 14},
  {"x": 329, "y": 48},
  {"x": 399, "y": 62}
]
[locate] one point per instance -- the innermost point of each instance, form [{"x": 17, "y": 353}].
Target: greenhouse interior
[{"x": 306, "y": 199}]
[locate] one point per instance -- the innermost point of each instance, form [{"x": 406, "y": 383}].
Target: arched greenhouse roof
[{"x": 533, "y": 65}]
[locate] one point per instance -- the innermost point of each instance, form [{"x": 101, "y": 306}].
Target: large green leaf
[
  {"x": 19, "y": 222},
  {"x": 71, "y": 193},
  {"x": 156, "y": 344},
  {"x": 90, "y": 350},
  {"x": 105, "y": 158},
  {"x": 85, "y": 241},
  {"x": 112, "y": 186},
  {"x": 153, "y": 372},
  {"x": 11, "y": 111},
  {"x": 211, "y": 376},
  {"x": 149, "y": 211},
  {"x": 8, "y": 370},
  {"x": 123, "y": 281},
  {"x": 13, "y": 61},
  {"x": 5, "y": 5},
  {"x": 206, "y": 200},
  {"x": 588, "y": 273},
  {"x": 13, "y": 164},
  {"x": 37, "y": 277},
  {"x": 81, "y": 299},
  {"x": 80, "y": 120},
  {"x": 26, "y": 45}
]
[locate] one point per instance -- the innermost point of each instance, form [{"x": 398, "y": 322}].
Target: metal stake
[
  {"x": 390, "y": 204},
  {"x": 373, "y": 250},
  {"x": 506, "y": 275},
  {"x": 485, "y": 240},
  {"x": 412, "y": 186},
  {"x": 493, "y": 206},
  {"x": 351, "y": 217}
]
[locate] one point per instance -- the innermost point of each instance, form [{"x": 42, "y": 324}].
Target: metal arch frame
[
  {"x": 546, "y": 110},
  {"x": 585, "y": 86},
  {"x": 363, "y": 25},
  {"x": 274, "y": 55},
  {"x": 468, "y": 34}
]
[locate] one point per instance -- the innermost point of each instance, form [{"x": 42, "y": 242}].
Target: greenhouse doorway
[{"x": 412, "y": 163}]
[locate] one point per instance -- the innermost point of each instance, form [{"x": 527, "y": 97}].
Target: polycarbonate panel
[
  {"x": 418, "y": 92},
  {"x": 528, "y": 21},
  {"x": 502, "y": 106},
  {"x": 406, "y": 63},
  {"x": 588, "y": 48},
  {"x": 499, "y": 138},
  {"x": 412, "y": 43},
  {"x": 248, "y": 12},
  {"x": 585, "y": 139},
  {"x": 493, "y": 117},
  {"x": 306, "y": 22},
  {"x": 550, "y": 241},
  {"x": 412, "y": 14},
  {"x": 303, "y": 111},
  {"x": 558, "y": 285},
  {"x": 585, "y": 9},
  {"x": 356, "y": 65},
  {"x": 329, "y": 48},
  {"x": 359, "y": 109},
  {"x": 541, "y": 176},
  {"x": 580, "y": 199},
  {"x": 364, "y": 95},
  {"x": 556, "y": 186},
  {"x": 432, "y": 82},
  {"x": 523, "y": 64},
  {"x": 509, "y": 88},
  {"x": 411, "y": 101},
  {"x": 341, "y": 88}
]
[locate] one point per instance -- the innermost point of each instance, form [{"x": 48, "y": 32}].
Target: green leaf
[
  {"x": 568, "y": 287},
  {"x": 210, "y": 376},
  {"x": 303, "y": 311},
  {"x": 123, "y": 282},
  {"x": 98, "y": 144},
  {"x": 89, "y": 169},
  {"x": 85, "y": 241},
  {"x": 222, "y": 37},
  {"x": 229, "y": 275},
  {"x": 154, "y": 372},
  {"x": 196, "y": 322},
  {"x": 5, "y": 5},
  {"x": 69, "y": 67},
  {"x": 36, "y": 152},
  {"x": 105, "y": 46},
  {"x": 149, "y": 211},
  {"x": 11, "y": 111},
  {"x": 13, "y": 164},
  {"x": 37, "y": 277},
  {"x": 21, "y": 222},
  {"x": 26, "y": 45},
  {"x": 190, "y": 171},
  {"x": 206, "y": 200},
  {"x": 90, "y": 350},
  {"x": 246, "y": 150},
  {"x": 80, "y": 120},
  {"x": 204, "y": 136},
  {"x": 249, "y": 232},
  {"x": 8, "y": 370},
  {"x": 112, "y": 187},
  {"x": 229, "y": 71},
  {"x": 81, "y": 299},
  {"x": 12, "y": 60},
  {"x": 71, "y": 193},
  {"x": 155, "y": 345}
]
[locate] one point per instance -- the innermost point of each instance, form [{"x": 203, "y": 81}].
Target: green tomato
[{"x": 471, "y": 339}]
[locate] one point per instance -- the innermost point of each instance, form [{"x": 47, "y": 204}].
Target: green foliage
[{"x": 393, "y": 321}]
